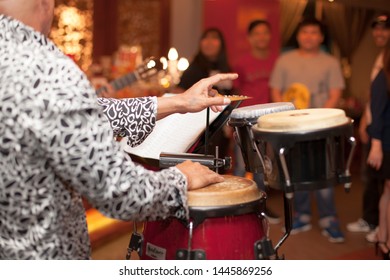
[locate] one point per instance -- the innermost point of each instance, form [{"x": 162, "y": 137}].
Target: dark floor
[{"x": 310, "y": 245}]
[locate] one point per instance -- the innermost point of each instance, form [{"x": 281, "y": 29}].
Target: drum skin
[{"x": 222, "y": 232}]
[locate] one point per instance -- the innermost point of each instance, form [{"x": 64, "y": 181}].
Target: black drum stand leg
[{"x": 287, "y": 202}]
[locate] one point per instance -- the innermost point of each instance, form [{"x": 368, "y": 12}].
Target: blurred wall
[
  {"x": 190, "y": 17},
  {"x": 186, "y": 26},
  {"x": 233, "y": 17}
]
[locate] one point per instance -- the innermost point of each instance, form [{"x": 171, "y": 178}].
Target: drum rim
[
  {"x": 287, "y": 105},
  {"x": 200, "y": 213},
  {"x": 242, "y": 122},
  {"x": 256, "y": 129},
  {"x": 306, "y": 113}
]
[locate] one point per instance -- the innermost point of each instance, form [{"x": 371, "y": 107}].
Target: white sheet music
[{"x": 173, "y": 134}]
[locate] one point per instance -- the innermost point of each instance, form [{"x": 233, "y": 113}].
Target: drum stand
[
  {"x": 135, "y": 243},
  {"x": 287, "y": 202},
  {"x": 344, "y": 178}
]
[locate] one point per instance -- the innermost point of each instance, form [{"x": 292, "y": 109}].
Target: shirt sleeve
[
  {"x": 378, "y": 105},
  {"x": 79, "y": 147},
  {"x": 133, "y": 118}
]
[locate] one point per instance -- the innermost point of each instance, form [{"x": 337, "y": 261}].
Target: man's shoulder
[
  {"x": 328, "y": 57},
  {"x": 287, "y": 56}
]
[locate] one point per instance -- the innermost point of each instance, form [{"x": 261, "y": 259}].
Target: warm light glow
[
  {"x": 330, "y": 0},
  {"x": 172, "y": 54},
  {"x": 71, "y": 17},
  {"x": 174, "y": 68},
  {"x": 151, "y": 64},
  {"x": 165, "y": 82},
  {"x": 164, "y": 62},
  {"x": 183, "y": 64},
  {"x": 72, "y": 33}
]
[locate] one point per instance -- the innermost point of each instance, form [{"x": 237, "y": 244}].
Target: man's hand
[
  {"x": 198, "y": 176},
  {"x": 375, "y": 155},
  {"x": 200, "y": 96}
]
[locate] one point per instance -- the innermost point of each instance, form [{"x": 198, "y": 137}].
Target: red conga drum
[{"x": 226, "y": 223}]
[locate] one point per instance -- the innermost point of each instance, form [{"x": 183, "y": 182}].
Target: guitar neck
[
  {"x": 120, "y": 83},
  {"x": 124, "y": 81},
  {"x": 148, "y": 68}
]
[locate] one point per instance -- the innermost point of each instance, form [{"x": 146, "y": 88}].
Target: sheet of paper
[{"x": 173, "y": 134}]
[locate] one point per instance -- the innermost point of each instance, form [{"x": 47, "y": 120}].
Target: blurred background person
[
  {"x": 379, "y": 154},
  {"x": 254, "y": 70},
  {"x": 320, "y": 75},
  {"x": 372, "y": 185},
  {"x": 210, "y": 59}
]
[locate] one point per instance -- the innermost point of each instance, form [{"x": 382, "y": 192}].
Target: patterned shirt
[{"x": 56, "y": 145}]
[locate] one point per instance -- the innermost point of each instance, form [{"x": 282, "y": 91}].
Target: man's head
[
  {"x": 259, "y": 34},
  {"x": 36, "y": 13},
  {"x": 381, "y": 29},
  {"x": 310, "y": 34}
]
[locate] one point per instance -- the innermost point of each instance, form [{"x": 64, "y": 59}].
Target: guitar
[{"x": 147, "y": 69}]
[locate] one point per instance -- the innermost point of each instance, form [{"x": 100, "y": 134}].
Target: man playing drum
[{"x": 57, "y": 145}]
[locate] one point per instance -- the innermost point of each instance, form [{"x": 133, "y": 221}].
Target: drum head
[
  {"x": 234, "y": 190},
  {"x": 302, "y": 120},
  {"x": 255, "y": 111}
]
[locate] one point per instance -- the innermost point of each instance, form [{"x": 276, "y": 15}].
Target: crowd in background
[{"x": 308, "y": 69}]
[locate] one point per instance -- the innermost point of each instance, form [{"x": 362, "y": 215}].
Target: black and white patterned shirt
[{"x": 56, "y": 145}]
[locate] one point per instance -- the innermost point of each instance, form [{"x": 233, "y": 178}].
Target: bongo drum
[
  {"x": 242, "y": 120},
  {"x": 226, "y": 222},
  {"x": 306, "y": 149}
]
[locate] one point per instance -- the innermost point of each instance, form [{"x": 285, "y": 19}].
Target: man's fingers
[
  {"x": 213, "y": 92},
  {"x": 213, "y": 178},
  {"x": 198, "y": 176},
  {"x": 218, "y": 101},
  {"x": 222, "y": 76},
  {"x": 216, "y": 109},
  {"x": 208, "y": 177}
]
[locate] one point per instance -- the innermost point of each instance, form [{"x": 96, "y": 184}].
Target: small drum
[
  {"x": 306, "y": 149},
  {"x": 242, "y": 120},
  {"x": 226, "y": 222}
]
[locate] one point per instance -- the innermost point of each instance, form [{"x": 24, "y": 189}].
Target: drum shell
[
  {"x": 244, "y": 139},
  {"x": 221, "y": 236},
  {"x": 315, "y": 159}
]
